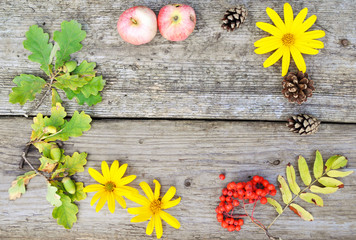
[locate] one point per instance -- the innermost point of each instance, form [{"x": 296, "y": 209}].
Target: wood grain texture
[
  {"x": 213, "y": 74},
  {"x": 189, "y": 155}
]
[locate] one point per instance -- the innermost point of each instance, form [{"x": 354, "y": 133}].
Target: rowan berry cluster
[{"x": 245, "y": 193}]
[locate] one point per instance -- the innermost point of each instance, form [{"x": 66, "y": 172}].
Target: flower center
[
  {"x": 288, "y": 39},
  {"x": 109, "y": 186},
  {"x": 155, "y": 206}
]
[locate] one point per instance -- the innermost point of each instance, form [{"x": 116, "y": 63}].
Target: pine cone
[
  {"x": 233, "y": 18},
  {"x": 303, "y": 124},
  {"x": 297, "y": 87}
]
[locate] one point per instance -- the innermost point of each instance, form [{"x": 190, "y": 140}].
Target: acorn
[{"x": 69, "y": 185}]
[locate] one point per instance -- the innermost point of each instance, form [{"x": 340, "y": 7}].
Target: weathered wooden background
[{"x": 211, "y": 77}]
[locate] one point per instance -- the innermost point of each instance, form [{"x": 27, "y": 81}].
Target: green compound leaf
[
  {"x": 312, "y": 198},
  {"x": 318, "y": 165},
  {"x": 304, "y": 171},
  {"x": 336, "y": 173},
  {"x": 55, "y": 97},
  {"x": 323, "y": 190},
  {"x": 58, "y": 114},
  {"x": 301, "y": 212},
  {"x": 69, "y": 81},
  {"x": 79, "y": 192},
  {"x": 81, "y": 99},
  {"x": 27, "y": 88},
  {"x": 18, "y": 186},
  {"x": 283, "y": 186},
  {"x": 85, "y": 70},
  {"x": 68, "y": 40},
  {"x": 66, "y": 213},
  {"x": 52, "y": 196},
  {"x": 79, "y": 123},
  {"x": 74, "y": 164},
  {"x": 330, "y": 182},
  {"x": 275, "y": 204},
  {"x": 37, "y": 43},
  {"x": 291, "y": 179}
]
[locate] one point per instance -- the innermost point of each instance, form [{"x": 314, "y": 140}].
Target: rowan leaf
[
  {"x": 37, "y": 43},
  {"x": 275, "y": 204},
  {"x": 58, "y": 114},
  {"x": 323, "y": 190},
  {"x": 81, "y": 99},
  {"x": 301, "y": 212},
  {"x": 52, "y": 196},
  {"x": 312, "y": 198},
  {"x": 85, "y": 70},
  {"x": 79, "y": 123},
  {"x": 339, "y": 163},
  {"x": 79, "y": 192},
  {"x": 283, "y": 186},
  {"x": 55, "y": 97},
  {"x": 69, "y": 81},
  {"x": 318, "y": 165},
  {"x": 66, "y": 213},
  {"x": 292, "y": 179},
  {"x": 47, "y": 164},
  {"x": 74, "y": 163},
  {"x": 27, "y": 88},
  {"x": 336, "y": 173},
  {"x": 304, "y": 171},
  {"x": 68, "y": 40},
  {"x": 18, "y": 186},
  {"x": 330, "y": 182},
  {"x": 330, "y": 161}
]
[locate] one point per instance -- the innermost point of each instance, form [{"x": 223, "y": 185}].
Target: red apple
[
  {"x": 176, "y": 21},
  {"x": 137, "y": 25}
]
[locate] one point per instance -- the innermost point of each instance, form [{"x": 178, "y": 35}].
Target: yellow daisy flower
[
  {"x": 289, "y": 37},
  {"x": 152, "y": 208},
  {"x": 112, "y": 186}
]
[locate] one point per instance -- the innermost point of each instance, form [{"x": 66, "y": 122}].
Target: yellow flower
[
  {"x": 289, "y": 37},
  {"x": 112, "y": 186},
  {"x": 152, "y": 208}
]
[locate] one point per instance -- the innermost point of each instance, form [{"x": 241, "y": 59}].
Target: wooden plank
[
  {"x": 189, "y": 155},
  {"x": 213, "y": 74}
]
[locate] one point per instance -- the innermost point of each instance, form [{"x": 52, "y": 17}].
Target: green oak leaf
[
  {"x": 85, "y": 70},
  {"x": 68, "y": 40},
  {"x": 74, "y": 163},
  {"x": 66, "y": 213},
  {"x": 58, "y": 173},
  {"x": 93, "y": 87},
  {"x": 52, "y": 196},
  {"x": 37, "y": 126},
  {"x": 79, "y": 192},
  {"x": 18, "y": 186},
  {"x": 79, "y": 123},
  {"x": 27, "y": 88},
  {"x": 69, "y": 81},
  {"x": 47, "y": 164},
  {"x": 55, "y": 97},
  {"x": 58, "y": 114},
  {"x": 37, "y": 43},
  {"x": 81, "y": 99}
]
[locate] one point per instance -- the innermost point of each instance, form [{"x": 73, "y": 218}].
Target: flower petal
[
  {"x": 266, "y": 41},
  {"x": 157, "y": 189},
  {"x": 125, "y": 190},
  {"x": 298, "y": 59},
  {"x": 148, "y": 191},
  {"x": 139, "y": 199},
  {"x": 305, "y": 49},
  {"x": 273, "y": 58},
  {"x": 120, "y": 200},
  {"x": 285, "y": 61},
  {"x": 299, "y": 19},
  {"x": 276, "y": 19},
  {"x": 267, "y": 48},
  {"x": 114, "y": 168},
  {"x": 158, "y": 226},
  {"x": 169, "y": 194},
  {"x": 122, "y": 170},
  {"x": 269, "y": 28},
  {"x": 314, "y": 34},
  {"x": 141, "y": 218},
  {"x": 288, "y": 16},
  {"x": 97, "y": 176},
  {"x": 314, "y": 44},
  {"x": 111, "y": 202},
  {"x": 169, "y": 219},
  {"x": 105, "y": 170},
  {"x": 307, "y": 24},
  {"x": 170, "y": 204},
  {"x": 96, "y": 197},
  {"x": 101, "y": 202},
  {"x": 150, "y": 226},
  {"x": 126, "y": 180},
  {"x": 93, "y": 188},
  {"x": 138, "y": 210}
]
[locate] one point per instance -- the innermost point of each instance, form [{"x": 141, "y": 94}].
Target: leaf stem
[{"x": 24, "y": 157}]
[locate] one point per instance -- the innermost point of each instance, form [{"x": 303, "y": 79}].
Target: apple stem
[
  {"x": 133, "y": 21},
  {"x": 175, "y": 18}
]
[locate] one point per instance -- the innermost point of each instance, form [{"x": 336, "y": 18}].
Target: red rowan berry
[
  {"x": 224, "y": 224},
  {"x": 241, "y": 192},
  {"x": 273, "y": 192},
  {"x": 217, "y": 209},
  {"x": 239, "y": 185},
  {"x": 259, "y": 191},
  {"x": 236, "y": 222},
  {"x": 256, "y": 178},
  {"x": 236, "y": 203},
  {"x": 236, "y": 195},
  {"x": 238, "y": 228},
  {"x": 229, "y": 193},
  {"x": 224, "y": 191},
  {"x": 263, "y": 200},
  {"x": 219, "y": 216},
  {"x": 231, "y": 228},
  {"x": 270, "y": 187},
  {"x": 251, "y": 201},
  {"x": 241, "y": 221},
  {"x": 231, "y": 186},
  {"x": 264, "y": 193},
  {"x": 228, "y": 207},
  {"x": 222, "y": 176},
  {"x": 248, "y": 186},
  {"x": 265, "y": 183},
  {"x": 222, "y": 198},
  {"x": 228, "y": 199}
]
